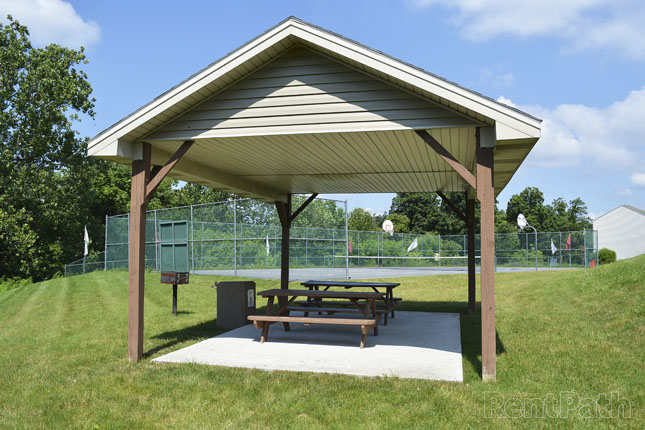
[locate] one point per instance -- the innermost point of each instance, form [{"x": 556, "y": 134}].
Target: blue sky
[{"x": 578, "y": 64}]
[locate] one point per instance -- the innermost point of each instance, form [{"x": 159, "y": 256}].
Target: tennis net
[{"x": 409, "y": 262}]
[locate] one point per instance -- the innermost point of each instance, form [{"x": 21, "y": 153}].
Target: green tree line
[
  {"x": 50, "y": 189},
  {"x": 426, "y": 213}
]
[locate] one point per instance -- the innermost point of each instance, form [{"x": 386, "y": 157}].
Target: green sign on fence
[{"x": 173, "y": 245}]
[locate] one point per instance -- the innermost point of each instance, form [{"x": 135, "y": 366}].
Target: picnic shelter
[{"x": 302, "y": 110}]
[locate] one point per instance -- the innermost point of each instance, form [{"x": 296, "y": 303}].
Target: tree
[
  {"x": 360, "y": 219},
  {"x": 319, "y": 213},
  {"x": 529, "y": 202},
  {"x": 194, "y": 194},
  {"x": 401, "y": 223},
  {"x": 429, "y": 214},
  {"x": 422, "y": 209},
  {"x": 557, "y": 216},
  {"x": 43, "y": 186}
]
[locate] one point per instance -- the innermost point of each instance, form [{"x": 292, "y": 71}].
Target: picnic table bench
[
  {"x": 388, "y": 298},
  {"x": 364, "y": 302}
]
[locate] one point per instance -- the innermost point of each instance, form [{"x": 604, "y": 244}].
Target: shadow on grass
[
  {"x": 471, "y": 327},
  {"x": 204, "y": 330}
]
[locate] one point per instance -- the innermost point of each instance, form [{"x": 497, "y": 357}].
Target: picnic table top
[
  {"x": 351, "y": 284},
  {"x": 322, "y": 294}
]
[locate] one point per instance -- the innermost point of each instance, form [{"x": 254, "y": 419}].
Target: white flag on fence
[
  {"x": 553, "y": 248},
  {"x": 86, "y": 239},
  {"x": 268, "y": 251},
  {"x": 413, "y": 245}
]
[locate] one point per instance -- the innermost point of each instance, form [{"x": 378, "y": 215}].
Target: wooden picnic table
[
  {"x": 388, "y": 298},
  {"x": 367, "y": 309}
]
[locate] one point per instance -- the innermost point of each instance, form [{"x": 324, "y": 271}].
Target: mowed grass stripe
[{"x": 579, "y": 331}]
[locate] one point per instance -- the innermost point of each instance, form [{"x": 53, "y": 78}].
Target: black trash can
[{"x": 235, "y": 302}]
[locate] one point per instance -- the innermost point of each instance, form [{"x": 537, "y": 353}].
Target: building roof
[
  {"x": 632, "y": 208},
  {"x": 300, "y": 109}
]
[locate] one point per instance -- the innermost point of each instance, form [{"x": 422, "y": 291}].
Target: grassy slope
[{"x": 63, "y": 342}]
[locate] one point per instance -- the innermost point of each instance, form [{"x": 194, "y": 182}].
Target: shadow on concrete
[
  {"x": 200, "y": 331},
  {"x": 471, "y": 327}
]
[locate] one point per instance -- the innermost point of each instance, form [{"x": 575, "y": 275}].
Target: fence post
[
  {"x": 346, "y": 243},
  {"x": 584, "y": 244},
  {"x": 192, "y": 240},
  {"x": 526, "y": 241},
  {"x": 128, "y": 236},
  {"x": 156, "y": 242},
  {"x": 235, "y": 237},
  {"x": 106, "y": 241}
]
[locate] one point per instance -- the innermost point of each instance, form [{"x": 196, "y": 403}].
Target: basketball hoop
[
  {"x": 521, "y": 222},
  {"x": 388, "y": 227}
]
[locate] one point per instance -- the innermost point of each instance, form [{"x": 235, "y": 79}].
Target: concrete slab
[{"x": 418, "y": 345}]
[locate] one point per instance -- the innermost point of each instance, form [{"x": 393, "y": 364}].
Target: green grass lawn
[{"x": 581, "y": 333}]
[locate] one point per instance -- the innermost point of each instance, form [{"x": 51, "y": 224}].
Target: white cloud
[
  {"x": 627, "y": 192},
  {"x": 497, "y": 79},
  {"x": 610, "y": 138},
  {"x": 584, "y": 24},
  {"x": 638, "y": 179},
  {"x": 52, "y": 21}
]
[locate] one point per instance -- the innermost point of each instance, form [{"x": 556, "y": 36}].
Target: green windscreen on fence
[{"x": 173, "y": 246}]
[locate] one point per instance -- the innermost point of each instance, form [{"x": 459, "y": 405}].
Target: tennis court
[{"x": 379, "y": 271}]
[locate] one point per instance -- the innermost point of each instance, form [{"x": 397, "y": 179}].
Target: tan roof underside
[{"x": 340, "y": 142}]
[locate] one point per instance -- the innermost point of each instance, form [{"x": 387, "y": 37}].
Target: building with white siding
[{"x": 622, "y": 230}]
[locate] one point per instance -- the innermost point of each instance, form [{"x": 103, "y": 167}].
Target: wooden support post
[
  {"x": 141, "y": 191},
  {"x": 284, "y": 213},
  {"x": 140, "y": 172},
  {"x": 486, "y": 195},
  {"x": 470, "y": 224}
]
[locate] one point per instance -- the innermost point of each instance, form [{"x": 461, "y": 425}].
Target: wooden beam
[
  {"x": 452, "y": 206},
  {"x": 470, "y": 224},
  {"x": 486, "y": 197},
  {"x": 283, "y": 215},
  {"x": 302, "y": 207},
  {"x": 154, "y": 182},
  {"x": 138, "y": 204},
  {"x": 448, "y": 158}
]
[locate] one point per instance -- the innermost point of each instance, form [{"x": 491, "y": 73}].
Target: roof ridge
[
  {"x": 632, "y": 208},
  {"x": 420, "y": 69}
]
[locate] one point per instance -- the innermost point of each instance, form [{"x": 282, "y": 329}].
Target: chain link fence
[{"x": 246, "y": 234}]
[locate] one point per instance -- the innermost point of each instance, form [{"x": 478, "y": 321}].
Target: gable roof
[
  {"x": 516, "y": 131},
  {"x": 631, "y": 208}
]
